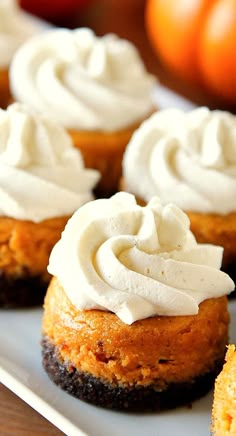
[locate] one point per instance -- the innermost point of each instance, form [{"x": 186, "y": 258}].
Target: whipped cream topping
[
  {"x": 85, "y": 82},
  {"x": 185, "y": 158},
  {"x": 15, "y": 28},
  {"x": 136, "y": 261},
  {"x": 41, "y": 174}
]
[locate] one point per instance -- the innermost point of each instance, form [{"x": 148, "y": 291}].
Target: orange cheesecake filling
[
  {"x": 25, "y": 246},
  {"x": 158, "y": 349},
  {"x": 103, "y": 151},
  {"x": 224, "y": 404}
]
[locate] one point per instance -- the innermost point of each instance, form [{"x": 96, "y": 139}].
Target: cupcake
[
  {"x": 15, "y": 28},
  {"x": 134, "y": 305},
  {"x": 189, "y": 159},
  {"x": 96, "y": 87},
  {"x": 224, "y": 410},
  {"x": 42, "y": 182}
]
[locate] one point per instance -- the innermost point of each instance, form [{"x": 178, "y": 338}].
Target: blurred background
[{"x": 188, "y": 44}]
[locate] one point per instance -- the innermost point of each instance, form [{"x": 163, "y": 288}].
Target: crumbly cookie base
[
  {"x": 19, "y": 292},
  {"x": 134, "y": 398}
]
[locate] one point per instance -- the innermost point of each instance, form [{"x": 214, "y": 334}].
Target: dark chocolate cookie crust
[
  {"x": 19, "y": 292},
  {"x": 136, "y": 398}
]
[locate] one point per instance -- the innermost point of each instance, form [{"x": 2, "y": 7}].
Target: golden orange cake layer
[
  {"x": 103, "y": 151},
  {"x": 224, "y": 404},
  {"x": 25, "y": 247}
]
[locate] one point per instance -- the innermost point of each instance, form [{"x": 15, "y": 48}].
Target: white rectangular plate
[{"x": 21, "y": 371}]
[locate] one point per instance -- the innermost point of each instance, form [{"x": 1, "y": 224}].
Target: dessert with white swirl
[
  {"x": 15, "y": 29},
  {"x": 96, "y": 87},
  {"x": 133, "y": 304},
  {"x": 223, "y": 409},
  {"x": 189, "y": 159},
  {"x": 42, "y": 182}
]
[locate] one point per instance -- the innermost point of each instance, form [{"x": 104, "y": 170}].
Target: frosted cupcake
[
  {"x": 15, "y": 28},
  {"x": 96, "y": 87},
  {"x": 136, "y": 314},
  {"x": 189, "y": 159},
  {"x": 42, "y": 182}
]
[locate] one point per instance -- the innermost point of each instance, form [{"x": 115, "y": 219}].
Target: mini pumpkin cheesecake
[
  {"x": 96, "y": 87},
  {"x": 134, "y": 304},
  {"x": 224, "y": 412},
  {"x": 189, "y": 159},
  {"x": 42, "y": 182},
  {"x": 15, "y": 28}
]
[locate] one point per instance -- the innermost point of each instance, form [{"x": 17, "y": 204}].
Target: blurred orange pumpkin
[{"x": 197, "y": 40}]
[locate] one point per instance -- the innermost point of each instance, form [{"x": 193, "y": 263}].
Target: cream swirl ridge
[
  {"x": 15, "y": 28},
  {"x": 85, "y": 82},
  {"x": 185, "y": 158},
  {"x": 136, "y": 261},
  {"x": 41, "y": 174}
]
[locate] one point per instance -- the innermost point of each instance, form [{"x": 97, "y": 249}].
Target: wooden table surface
[
  {"x": 17, "y": 418},
  {"x": 124, "y": 17}
]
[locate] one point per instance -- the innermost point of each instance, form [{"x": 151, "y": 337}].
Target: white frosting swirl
[
  {"x": 41, "y": 174},
  {"x": 185, "y": 158},
  {"x": 136, "y": 261},
  {"x": 15, "y": 28},
  {"x": 85, "y": 82}
]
